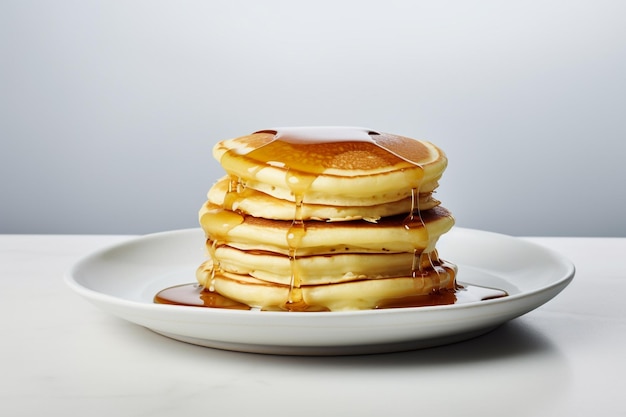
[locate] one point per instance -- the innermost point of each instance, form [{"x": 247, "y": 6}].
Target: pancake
[
  {"x": 313, "y": 269},
  {"x": 338, "y": 167},
  {"x": 349, "y": 295},
  {"x": 325, "y": 219},
  {"x": 253, "y": 202},
  {"x": 389, "y": 235},
  {"x": 273, "y": 268}
]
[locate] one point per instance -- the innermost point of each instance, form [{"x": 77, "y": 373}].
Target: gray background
[{"x": 109, "y": 109}]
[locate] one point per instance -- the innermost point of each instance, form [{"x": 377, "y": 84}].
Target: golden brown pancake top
[{"x": 314, "y": 156}]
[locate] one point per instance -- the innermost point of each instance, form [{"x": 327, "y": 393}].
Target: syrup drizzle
[
  {"x": 299, "y": 176},
  {"x": 294, "y": 237},
  {"x": 299, "y": 184},
  {"x": 227, "y": 220}
]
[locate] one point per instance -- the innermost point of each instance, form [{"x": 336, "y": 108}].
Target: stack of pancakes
[{"x": 325, "y": 218}]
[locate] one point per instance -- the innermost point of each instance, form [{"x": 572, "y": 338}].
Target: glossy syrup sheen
[{"x": 312, "y": 150}]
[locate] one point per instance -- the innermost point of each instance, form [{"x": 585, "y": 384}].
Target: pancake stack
[{"x": 326, "y": 219}]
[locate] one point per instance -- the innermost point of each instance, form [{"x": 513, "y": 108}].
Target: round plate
[{"x": 124, "y": 278}]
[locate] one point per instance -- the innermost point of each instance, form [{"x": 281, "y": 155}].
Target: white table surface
[{"x": 60, "y": 354}]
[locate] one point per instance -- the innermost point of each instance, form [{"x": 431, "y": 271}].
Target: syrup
[
  {"x": 196, "y": 296},
  {"x": 226, "y": 221},
  {"x": 298, "y": 184},
  {"x": 294, "y": 236}
]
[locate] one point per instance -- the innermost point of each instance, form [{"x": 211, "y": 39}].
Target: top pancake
[{"x": 340, "y": 166}]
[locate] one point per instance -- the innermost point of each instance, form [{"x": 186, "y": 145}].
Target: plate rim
[{"x": 410, "y": 328}]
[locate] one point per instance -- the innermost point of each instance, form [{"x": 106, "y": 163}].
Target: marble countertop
[{"x": 60, "y": 354}]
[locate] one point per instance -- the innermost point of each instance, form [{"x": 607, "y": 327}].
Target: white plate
[{"x": 124, "y": 278}]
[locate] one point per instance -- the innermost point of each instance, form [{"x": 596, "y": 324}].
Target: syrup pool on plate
[{"x": 196, "y": 296}]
